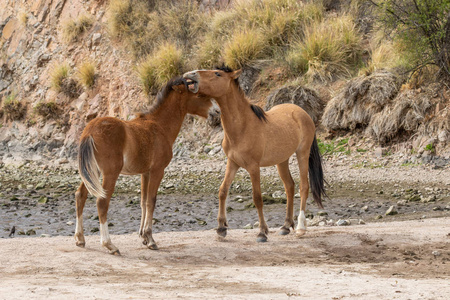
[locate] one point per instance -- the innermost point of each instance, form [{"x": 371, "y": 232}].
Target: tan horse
[
  {"x": 254, "y": 139},
  {"x": 141, "y": 146}
]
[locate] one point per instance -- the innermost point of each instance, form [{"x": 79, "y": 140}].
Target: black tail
[{"x": 316, "y": 180}]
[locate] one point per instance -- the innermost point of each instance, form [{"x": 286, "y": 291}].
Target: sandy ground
[{"x": 392, "y": 260}]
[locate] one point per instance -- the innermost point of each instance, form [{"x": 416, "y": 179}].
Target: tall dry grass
[{"x": 159, "y": 67}]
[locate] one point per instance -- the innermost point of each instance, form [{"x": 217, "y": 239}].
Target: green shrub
[
  {"x": 159, "y": 67},
  {"x": 71, "y": 29}
]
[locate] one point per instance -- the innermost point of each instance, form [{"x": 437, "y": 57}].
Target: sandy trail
[{"x": 376, "y": 261}]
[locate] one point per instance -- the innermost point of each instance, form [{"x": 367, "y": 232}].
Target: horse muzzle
[{"x": 192, "y": 81}]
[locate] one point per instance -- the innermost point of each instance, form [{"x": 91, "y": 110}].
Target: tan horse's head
[
  {"x": 195, "y": 104},
  {"x": 212, "y": 83}
]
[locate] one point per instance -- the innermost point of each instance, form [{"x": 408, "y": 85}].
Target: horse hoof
[
  {"x": 284, "y": 231},
  {"x": 80, "y": 244},
  {"x": 222, "y": 231},
  {"x": 144, "y": 242},
  {"x": 115, "y": 252},
  {"x": 300, "y": 232},
  {"x": 261, "y": 238},
  {"x": 153, "y": 247}
]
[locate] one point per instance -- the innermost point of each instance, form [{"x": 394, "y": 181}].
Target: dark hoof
[
  {"x": 80, "y": 244},
  {"x": 261, "y": 238},
  {"x": 115, "y": 252},
  {"x": 153, "y": 247},
  {"x": 222, "y": 231},
  {"x": 284, "y": 231}
]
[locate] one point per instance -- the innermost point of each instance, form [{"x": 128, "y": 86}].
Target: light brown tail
[{"x": 88, "y": 167}]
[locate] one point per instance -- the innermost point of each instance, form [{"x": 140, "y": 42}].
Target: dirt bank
[{"x": 396, "y": 260}]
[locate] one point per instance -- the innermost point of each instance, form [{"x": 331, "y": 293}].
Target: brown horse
[
  {"x": 254, "y": 138},
  {"x": 141, "y": 146}
]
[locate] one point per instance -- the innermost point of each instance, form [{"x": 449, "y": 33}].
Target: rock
[
  {"x": 169, "y": 186},
  {"x": 414, "y": 198},
  {"x": 304, "y": 97},
  {"x": 256, "y": 225},
  {"x": 365, "y": 208},
  {"x": 70, "y": 223},
  {"x": 322, "y": 213},
  {"x": 342, "y": 222},
  {"x": 322, "y": 223},
  {"x": 45, "y": 235},
  {"x": 361, "y": 222},
  {"x": 436, "y": 253},
  {"x": 248, "y": 226},
  {"x": 391, "y": 211},
  {"x": 330, "y": 222},
  {"x": 31, "y": 232},
  {"x": 428, "y": 199},
  {"x": 378, "y": 217},
  {"x": 43, "y": 200},
  {"x": 380, "y": 151},
  {"x": 96, "y": 38},
  {"x": 401, "y": 202},
  {"x": 279, "y": 195}
]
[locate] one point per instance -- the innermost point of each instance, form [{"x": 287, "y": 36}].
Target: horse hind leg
[
  {"x": 303, "y": 164},
  {"x": 109, "y": 183},
  {"x": 289, "y": 187},
  {"x": 80, "y": 198}
]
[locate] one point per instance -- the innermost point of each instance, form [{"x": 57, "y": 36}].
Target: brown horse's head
[
  {"x": 212, "y": 83},
  {"x": 195, "y": 104}
]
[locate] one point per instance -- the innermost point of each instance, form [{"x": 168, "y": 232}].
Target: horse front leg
[
  {"x": 257, "y": 199},
  {"x": 145, "y": 178},
  {"x": 289, "y": 187},
  {"x": 230, "y": 173},
  {"x": 109, "y": 182},
  {"x": 153, "y": 185},
  {"x": 80, "y": 197}
]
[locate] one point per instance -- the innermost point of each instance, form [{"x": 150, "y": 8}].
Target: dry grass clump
[
  {"x": 306, "y": 98},
  {"x": 159, "y": 67},
  {"x": 86, "y": 74},
  {"x": 144, "y": 24},
  {"x": 327, "y": 50},
  {"x": 404, "y": 114},
  {"x": 58, "y": 74},
  {"x": 244, "y": 48},
  {"x": 360, "y": 100},
  {"x": 13, "y": 109},
  {"x": 438, "y": 126},
  {"x": 61, "y": 82},
  {"x": 72, "y": 29},
  {"x": 23, "y": 18},
  {"x": 48, "y": 110}
]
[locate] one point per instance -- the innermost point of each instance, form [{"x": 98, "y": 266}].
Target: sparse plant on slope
[
  {"x": 159, "y": 67},
  {"x": 72, "y": 29},
  {"x": 86, "y": 74}
]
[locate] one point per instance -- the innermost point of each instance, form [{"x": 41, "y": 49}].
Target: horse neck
[
  {"x": 170, "y": 115},
  {"x": 234, "y": 110}
]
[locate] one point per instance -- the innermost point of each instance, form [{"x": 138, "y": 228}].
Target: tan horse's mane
[
  {"x": 162, "y": 95},
  {"x": 259, "y": 112}
]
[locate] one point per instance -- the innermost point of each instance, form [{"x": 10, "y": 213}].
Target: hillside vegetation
[{"x": 373, "y": 68}]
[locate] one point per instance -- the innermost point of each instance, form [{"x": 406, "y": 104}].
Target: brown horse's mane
[
  {"x": 163, "y": 94},
  {"x": 259, "y": 112}
]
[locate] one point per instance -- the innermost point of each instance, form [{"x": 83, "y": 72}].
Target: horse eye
[{"x": 217, "y": 74}]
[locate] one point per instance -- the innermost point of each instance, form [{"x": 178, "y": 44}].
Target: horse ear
[
  {"x": 236, "y": 74},
  {"x": 178, "y": 88}
]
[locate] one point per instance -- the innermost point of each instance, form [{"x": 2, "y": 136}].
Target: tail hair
[
  {"x": 88, "y": 167},
  {"x": 316, "y": 179}
]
